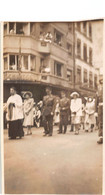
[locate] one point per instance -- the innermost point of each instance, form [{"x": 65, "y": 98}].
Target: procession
[
  {"x": 24, "y": 113},
  {"x": 53, "y": 107}
]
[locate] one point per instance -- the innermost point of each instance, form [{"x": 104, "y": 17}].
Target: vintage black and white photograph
[{"x": 53, "y": 107}]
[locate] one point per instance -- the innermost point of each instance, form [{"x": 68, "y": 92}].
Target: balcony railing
[
  {"x": 21, "y": 76},
  {"x": 28, "y": 76},
  {"x": 44, "y": 47},
  {"x": 55, "y": 80},
  {"x": 28, "y": 44}
]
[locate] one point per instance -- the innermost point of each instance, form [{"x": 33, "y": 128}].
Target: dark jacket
[
  {"x": 48, "y": 105},
  {"x": 64, "y": 106}
]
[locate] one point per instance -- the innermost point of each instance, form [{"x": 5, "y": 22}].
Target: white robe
[
  {"x": 76, "y": 106},
  {"x": 17, "y": 110}
]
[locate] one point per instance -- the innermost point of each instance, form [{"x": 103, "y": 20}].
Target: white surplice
[{"x": 17, "y": 109}]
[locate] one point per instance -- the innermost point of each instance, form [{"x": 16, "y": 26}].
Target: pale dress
[
  {"x": 89, "y": 117},
  {"x": 76, "y": 106},
  {"x": 28, "y": 107}
]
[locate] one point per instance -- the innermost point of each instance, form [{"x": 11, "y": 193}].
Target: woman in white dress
[
  {"x": 76, "y": 111},
  {"x": 57, "y": 112},
  {"x": 28, "y": 111},
  {"x": 90, "y": 115}
]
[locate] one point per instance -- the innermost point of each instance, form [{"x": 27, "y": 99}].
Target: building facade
[
  {"x": 65, "y": 62},
  {"x": 86, "y": 74},
  {"x": 42, "y": 63}
]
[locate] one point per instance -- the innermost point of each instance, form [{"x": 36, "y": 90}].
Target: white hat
[
  {"x": 27, "y": 92},
  {"x": 74, "y": 93}
]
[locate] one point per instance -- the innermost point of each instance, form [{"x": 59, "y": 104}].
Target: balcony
[
  {"x": 21, "y": 76},
  {"x": 28, "y": 76},
  {"x": 28, "y": 44},
  {"x": 56, "y": 81},
  {"x": 59, "y": 51},
  {"x": 43, "y": 47}
]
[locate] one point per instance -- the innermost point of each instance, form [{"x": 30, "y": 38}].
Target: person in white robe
[
  {"x": 76, "y": 111},
  {"x": 90, "y": 120},
  {"x": 15, "y": 115}
]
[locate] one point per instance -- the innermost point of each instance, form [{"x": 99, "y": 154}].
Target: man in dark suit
[
  {"x": 64, "y": 111},
  {"x": 48, "y": 111}
]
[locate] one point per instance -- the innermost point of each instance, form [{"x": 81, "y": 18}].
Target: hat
[
  {"x": 74, "y": 93},
  {"x": 90, "y": 97},
  {"x": 27, "y": 92}
]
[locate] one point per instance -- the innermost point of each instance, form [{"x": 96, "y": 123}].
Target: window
[
  {"x": 32, "y": 28},
  {"x": 79, "y": 26},
  {"x": 5, "y": 63},
  {"x": 25, "y": 63},
  {"x": 90, "y": 56},
  {"x": 12, "y": 28},
  {"x": 58, "y": 69},
  {"x": 70, "y": 27},
  {"x": 85, "y": 27},
  {"x": 32, "y": 63},
  {"x": 19, "y": 28},
  {"x": 69, "y": 75},
  {"x": 13, "y": 62},
  {"x": 90, "y": 30},
  {"x": 5, "y": 29},
  {"x": 85, "y": 53},
  {"x": 78, "y": 48},
  {"x": 90, "y": 79},
  {"x": 78, "y": 75},
  {"x": 69, "y": 48},
  {"x": 85, "y": 76},
  {"x": 95, "y": 81},
  {"x": 42, "y": 26},
  {"x": 41, "y": 65},
  {"x": 58, "y": 38}
]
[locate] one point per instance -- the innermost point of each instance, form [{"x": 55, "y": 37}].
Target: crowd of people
[
  {"x": 45, "y": 37},
  {"x": 23, "y": 112}
]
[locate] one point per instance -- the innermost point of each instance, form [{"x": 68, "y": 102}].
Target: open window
[
  {"x": 5, "y": 28},
  {"x": 78, "y": 80},
  {"x": 5, "y": 62},
  {"x": 90, "y": 56},
  {"x": 32, "y": 28},
  {"x": 58, "y": 69},
  {"x": 78, "y": 48},
  {"x": 12, "y": 27},
  {"x": 85, "y": 53},
  {"x": 58, "y": 38},
  {"x": 12, "y": 62},
  {"x": 25, "y": 62},
  {"x": 32, "y": 63},
  {"x": 19, "y": 28},
  {"x": 69, "y": 75},
  {"x": 85, "y": 27},
  {"x": 85, "y": 76}
]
